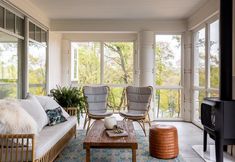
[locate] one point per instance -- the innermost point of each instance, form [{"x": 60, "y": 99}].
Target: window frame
[
  {"x": 179, "y": 87},
  {"x": 22, "y": 60},
  {"x": 74, "y": 81},
  {"x": 206, "y": 89}
]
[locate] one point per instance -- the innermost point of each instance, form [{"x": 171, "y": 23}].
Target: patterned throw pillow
[{"x": 55, "y": 116}]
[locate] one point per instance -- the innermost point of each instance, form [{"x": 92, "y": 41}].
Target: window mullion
[
  {"x": 101, "y": 62},
  {"x": 207, "y": 66}
]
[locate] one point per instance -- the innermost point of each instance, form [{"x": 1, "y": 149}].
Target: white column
[
  {"x": 146, "y": 58},
  {"x": 66, "y": 63},
  {"x": 187, "y": 107},
  {"x": 146, "y": 62}
]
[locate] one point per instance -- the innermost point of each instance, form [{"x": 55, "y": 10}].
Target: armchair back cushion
[
  {"x": 96, "y": 98},
  {"x": 138, "y": 99}
]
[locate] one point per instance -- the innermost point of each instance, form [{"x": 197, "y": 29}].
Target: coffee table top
[{"x": 97, "y": 137}]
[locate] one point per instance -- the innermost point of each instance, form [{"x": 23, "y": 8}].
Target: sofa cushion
[
  {"x": 49, "y": 136},
  {"x": 49, "y": 103},
  {"x": 34, "y": 108},
  {"x": 15, "y": 120},
  {"x": 55, "y": 116}
]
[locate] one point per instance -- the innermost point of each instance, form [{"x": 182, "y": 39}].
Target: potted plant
[{"x": 70, "y": 98}]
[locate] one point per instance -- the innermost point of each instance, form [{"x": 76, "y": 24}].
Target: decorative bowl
[{"x": 110, "y": 122}]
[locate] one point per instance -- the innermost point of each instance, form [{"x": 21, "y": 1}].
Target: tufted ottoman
[{"x": 163, "y": 141}]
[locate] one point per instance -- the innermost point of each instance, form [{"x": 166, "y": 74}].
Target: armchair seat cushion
[
  {"x": 133, "y": 114},
  {"x": 100, "y": 115}
]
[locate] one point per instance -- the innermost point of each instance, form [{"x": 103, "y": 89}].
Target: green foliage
[
  {"x": 89, "y": 63},
  {"x": 167, "y": 74},
  {"x": 114, "y": 98},
  {"x": 37, "y": 69},
  {"x": 5, "y": 92},
  {"x": 118, "y": 63},
  {"x": 68, "y": 97}
]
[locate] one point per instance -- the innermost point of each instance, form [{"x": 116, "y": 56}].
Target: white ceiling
[{"x": 119, "y": 9}]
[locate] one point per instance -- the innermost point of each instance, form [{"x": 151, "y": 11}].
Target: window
[
  {"x": 214, "y": 54},
  {"x": 199, "y": 58},
  {"x": 168, "y": 76},
  {"x": 10, "y": 51},
  {"x": 19, "y": 26},
  {"x": 12, "y": 56},
  {"x": 31, "y": 31},
  {"x": 118, "y": 63},
  {"x": 37, "y": 60},
  {"x": 10, "y": 21},
  {"x": 37, "y": 69},
  {"x": 109, "y": 63},
  {"x": 206, "y": 65},
  {"x": 86, "y": 62},
  {"x": 1, "y": 17}
]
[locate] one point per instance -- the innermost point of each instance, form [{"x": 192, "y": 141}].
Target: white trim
[
  {"x": 101, "y": 62},
  {"x": 11, "y": 33},
  {"x": 12, "y": 9},
  {"x": 21, "y": 13},
  {"x": 38, "y": 43}
]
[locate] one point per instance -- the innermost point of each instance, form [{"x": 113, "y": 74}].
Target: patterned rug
[{"x": 74, "y": 152}]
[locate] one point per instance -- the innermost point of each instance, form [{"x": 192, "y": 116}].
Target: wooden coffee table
[{"x": 98, "y": 138}]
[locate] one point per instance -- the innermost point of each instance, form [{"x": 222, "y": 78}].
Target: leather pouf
[{"x": 163, "y": 141}]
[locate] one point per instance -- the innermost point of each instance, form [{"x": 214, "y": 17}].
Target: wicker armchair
[
  {"x": 138, "y": 101},
  {"x": 96, "y": 104}
]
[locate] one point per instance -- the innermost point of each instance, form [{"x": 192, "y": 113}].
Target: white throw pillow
[
  {"x": 34, "y": 108},
  {"x": 15, "y": 120},
  {"x": 49, "y": 103}
]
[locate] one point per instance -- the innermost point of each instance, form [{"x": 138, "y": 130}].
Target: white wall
[
  {"x": 210, "y": 9},
  {"x": 117, "y": 25},
  {"x": 55, "y": 61}
]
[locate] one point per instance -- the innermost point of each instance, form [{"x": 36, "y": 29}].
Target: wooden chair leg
[
  {"x": 149, "y": 122},
  {"x": 144, "y": 128},
  {"x": 141, "y": 123},
  {"x": 88, "y": 126},
  {"x": 85, "y": 122}
]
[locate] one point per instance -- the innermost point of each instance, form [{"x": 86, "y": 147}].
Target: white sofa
[{"x": 43, "y": 147}]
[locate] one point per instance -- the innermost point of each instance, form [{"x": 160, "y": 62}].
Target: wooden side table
[{"x": 163, "y": 142}]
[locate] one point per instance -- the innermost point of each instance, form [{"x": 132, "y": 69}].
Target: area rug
[{"x": 74, "y": 152}]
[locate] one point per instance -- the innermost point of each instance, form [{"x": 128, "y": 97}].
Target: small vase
[{"x": 110, "y": 122}]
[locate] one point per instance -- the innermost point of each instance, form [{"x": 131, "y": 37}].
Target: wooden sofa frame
[{"x": 24, "y": 145}]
